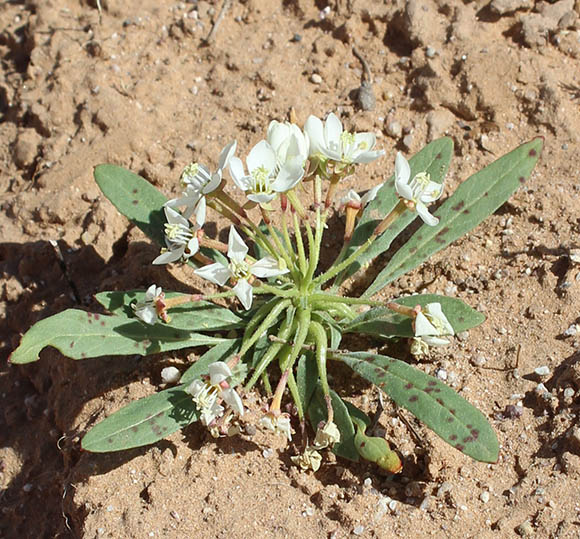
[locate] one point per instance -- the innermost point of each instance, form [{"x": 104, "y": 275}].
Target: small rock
[
  {"x": 394, "y": 129},
  {"x": 408, "y": 141},
  {"x": 441, "y": 374},
  {"x": 569, "y": 393},
  {"x": 438, "y": 123},
  {"x": 463, "y": 335},
  {"x": 296, "y": 38},
  {"x": 430, "y": 52},
  {"x": 170, "y": 375},
  {"x": 484, "y": 496},
  {"x": 513, "y": 411},
  {"x": 26, "y": 148},
  {"x": 542, "y": 371},
  {"x": 570, "y": 463},
  {"x": 572, "y": 330},
  {"x": 359, "y": 530},
  {"x": 525, "y": 529},
  {"x": 501, "y": 7},
  {"x": 315, "y": 78},
  {"x": 479, "y": 360}
]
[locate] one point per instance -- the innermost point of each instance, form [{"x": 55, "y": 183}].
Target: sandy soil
[{"x": 141, "y": 89}]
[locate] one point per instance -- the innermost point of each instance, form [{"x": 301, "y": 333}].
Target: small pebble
[
  {"x": 441, "y": 374},
  {"x": 408, "y": 141},
  {"x": 425, "y": 503},
  {"x": 430, "y": 52},
  {"x": 28, "y": 487},
  {"x": 525, "y": 529},
  {"x": 569, "y": 393},
  {"x": 479, "y": 360},
  {"x": 296, "y": 38},
  {"x": 359, "y": 530},
  {"x": 393, "y": 505},
  {"x": 394, "y": 129},
  {"x": 463, "y": 335},
  {"x": 443, "y": 489},
  {"x": 572, "y": 330},
  {"x": 315, "y": 78},
  {"x": 542, "y": 371},
  {"x": 484, "y": 496},
  {"x": 170, "y": 375},
  {"x": 509, "y": 126},
  {"x": 267, "y": 453}
]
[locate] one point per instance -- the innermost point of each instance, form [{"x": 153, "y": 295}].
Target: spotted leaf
[{"x": 449, "y": 415}]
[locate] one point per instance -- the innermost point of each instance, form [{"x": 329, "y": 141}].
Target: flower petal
[
  {"x": 200, "y": 212},
  {"x": 261, "y": 155},
  {"x": 423, "y": 326},
  {"x": 233, "y": 400},
  {"x": 287, "y": 178},
  {"x": 218, "y": 372},
  {"x": 244, "y": 292},
  {"x": 332, "y": 129},
  {"x": 371, "y": 194},
  {"x": 237, "y": 249},
  {"x": 216, "y": 273},
  {"x": 169, "y": 256},
  {"x": 367, "y": 157},
  {"x": 315, "y": 131},
  {"x": 226, "y": 154},
  {"x": 261, "y": 198},
  {"x": 267, "y": 267},
  {"x": 237, "y": 170},
  {"x": 423, "y": 212},
  {"x": 402, "y": 170}
]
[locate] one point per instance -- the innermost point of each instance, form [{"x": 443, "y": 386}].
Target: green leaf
[
  {"x": 80, "y": 335},
  {"x": 474, "y": 200},
  {"x": 384, "y": 323},
  {"x": 331, "y": 326},
  {"x": 220, "y": 352},
  {"x": 317, "y": 413},
  {"x": 142, "y": 422},
  {"x": 433, "y": 159},
  {"x": 135, "y": 198},
  {"x": 306, "y": 379},
  {"x": 450, "y": 416},
  {"x": 198, "y": 316}
]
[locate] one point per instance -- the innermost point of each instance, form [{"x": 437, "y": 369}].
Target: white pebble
[
  {"x": 267, "y": 453},
  {"x": 359, "y": 530},
  {"x": 484, "y": 496},
  {"x": 368, "y": 482},
  {"x": 542, "y": 371},
  {"x": 170, "y": 375},
  {"x": 315, "y": 78},
  {"x": 441, "y": 374},
  {"x": 479, "y": 360},
  {"x": 393, "y": 505},
  {"x": 569, "y": 393},
  {"x": 572, "y": 330},
  {"x": 430, "y": 52}
]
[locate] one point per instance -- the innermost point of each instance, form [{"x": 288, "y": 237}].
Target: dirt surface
[{"x": 138, "y": 86}]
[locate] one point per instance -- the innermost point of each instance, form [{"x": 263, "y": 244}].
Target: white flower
[
  {"x": 289, "y": 143},
  {"x": 146, "y": 310},
  {"x": 353, "y": 199},
  {"x": 266, "y": 176},
  {"x": 180, "y": 236},
  {"x": 330, "y": 141},
  {"x": 238, "y": 269},
  {"x": 418, "y": 191},
  {"x": 198, "y": 181},
  {"x": 326, "y": 436},
  {"x": 431, "y": 324},
  {"x": 207, "y": 395},
  {"x": 280, "y": 424}
]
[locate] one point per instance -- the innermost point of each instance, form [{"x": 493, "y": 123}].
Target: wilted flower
[
  {"x": 152, "y": 307},
  {"x": 278, "y": 423},
  {"x": 238, "y": 269},
  {"x": 329, "y": 141},
  {"x": 418, "y": 191},
  {"x": 326, "y": 436},
  {"x": 267, "y": 176},
  {"x": 198, "y": 181},
  {"x": 207, "y": 394},
  {"x": 431, "y": 324},
  {"x": 354, "y": 200},
  {"x": 309, "y": 460},
  {"x": 180, "y": 236}
]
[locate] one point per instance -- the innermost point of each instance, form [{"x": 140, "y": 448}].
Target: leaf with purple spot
[
  {"x": 142, "y": 422},
  {"x": 449, "y": 415}
]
